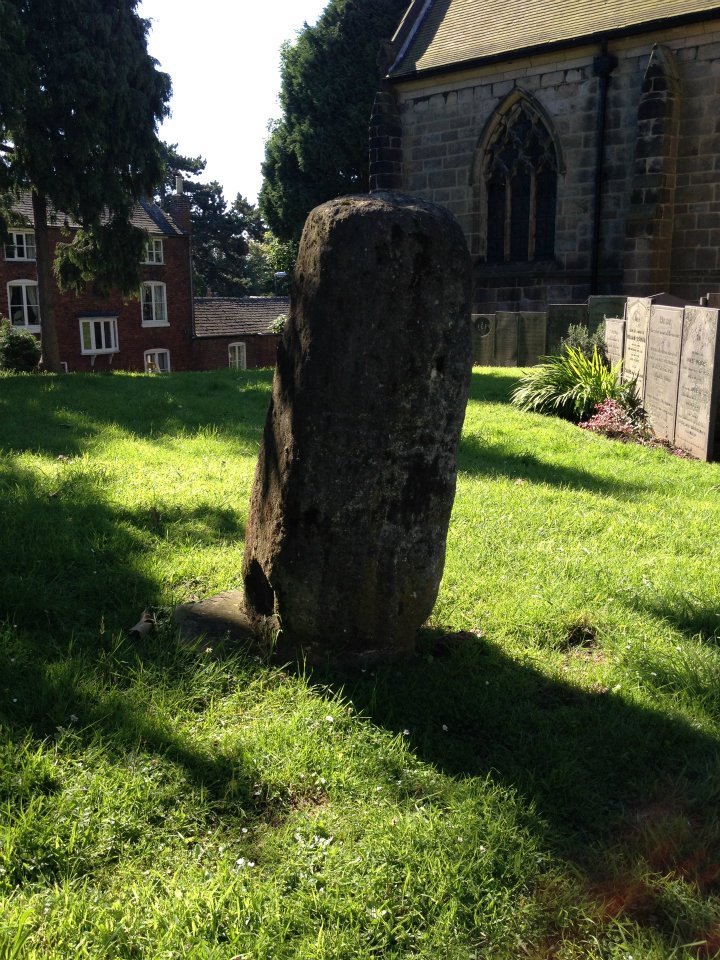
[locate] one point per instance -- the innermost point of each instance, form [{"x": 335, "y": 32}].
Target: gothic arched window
[{"x": 517, "y": 176}]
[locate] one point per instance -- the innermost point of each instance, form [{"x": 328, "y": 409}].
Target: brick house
[
  {"x": 152, "y": 333},
  {"x": 578, "y": 144},
  {"x": 235, "y": 331}
]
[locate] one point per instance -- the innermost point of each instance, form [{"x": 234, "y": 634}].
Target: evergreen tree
[
  {"x": 219, "y": 242},
  {"x": 329, "y": 77},
  {"x": 78, "y": 125},
  {"x": 220, "y": 234}
]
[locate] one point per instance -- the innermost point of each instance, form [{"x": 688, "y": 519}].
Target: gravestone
[
  {"x": 483, "y": 339},
  {"x": 698, "y": 382},
  {"x": 662, "y": 369},
  {"x": 560, "y": 317},
  {"x": 614, "y": 340},
  {"x": 637, "y": 319},
  {"x": 532, "y": 338},
  {"x": 506, "y": 339},
  {"x": 601, "y": 307},
  {"x": 348, "y": 518}
]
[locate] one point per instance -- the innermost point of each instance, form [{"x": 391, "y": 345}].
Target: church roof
[{"x": 441, "y": 34}]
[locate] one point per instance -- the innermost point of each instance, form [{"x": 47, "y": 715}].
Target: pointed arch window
[{"x": 518, "y": 183}]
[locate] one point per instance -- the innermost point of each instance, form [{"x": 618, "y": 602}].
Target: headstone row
[
  {"x": 673, "y": 353},
  {"x": 506, "y": 339},
  {"x": 523, "y": 338}
]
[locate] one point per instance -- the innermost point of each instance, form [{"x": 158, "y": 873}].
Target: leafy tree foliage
[
  {"x": 265, "y": 260},
  {"x": 329, "y": 77},
  {"x": 78, "y": 117}
]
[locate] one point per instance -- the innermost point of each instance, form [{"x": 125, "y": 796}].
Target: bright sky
[{"x": 224, "y": 60}]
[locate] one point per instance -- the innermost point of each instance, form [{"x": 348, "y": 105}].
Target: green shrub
[
  {"x": 19, "y": 349},
  {"x": 579, "y": 338},
  {"x": 571, "y": 385}
]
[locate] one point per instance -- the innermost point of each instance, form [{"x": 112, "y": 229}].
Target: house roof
[
  {"x": 437, "y": 34},
  {"x": 146, "y": 215},
  {"x": 237, "y": 316}
]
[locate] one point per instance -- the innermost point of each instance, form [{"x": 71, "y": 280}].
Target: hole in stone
[{"x": 258, "y": 590}]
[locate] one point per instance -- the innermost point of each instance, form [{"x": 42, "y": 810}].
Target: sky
[{"x": 224, "y": 60}]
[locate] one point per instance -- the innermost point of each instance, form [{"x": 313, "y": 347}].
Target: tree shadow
[
  {"x": 63, "y": 416},
  {"x": 602, "y": 772},
  {"x": 692, "y": 616},
  {"x": 492, "y": 384},
  {"x": 493, "y": 460},
  {"x": 76, "y": 560}
]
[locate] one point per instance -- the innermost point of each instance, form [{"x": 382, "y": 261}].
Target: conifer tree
[
  {"x": 78, "y": 121},
  {"x": 318, "y": 149}
]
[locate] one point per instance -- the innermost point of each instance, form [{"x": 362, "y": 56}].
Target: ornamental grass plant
[{"x": 571, "y": 385}]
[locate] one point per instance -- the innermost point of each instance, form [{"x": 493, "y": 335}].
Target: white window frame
[
  {"x": 155, "y": 355},
  {"x": 239, "y": 361},
  {"x": 154, "y": 250},
  {"x": 108, "y": 336},
  {"x": 28, "y": 241},
  {"x": 23, "y": 285},
  {"x": 157, "y": 304}
]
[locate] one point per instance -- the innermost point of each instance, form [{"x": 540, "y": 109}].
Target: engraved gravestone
[
  {"x": 560, "y": 317},
  {"x": 614, "y": 340},
  {"x": 483, "y": 339},
  {"x": 637, "y": 318},
  {"x": 698, "y": 383},
  {"x": 662, "y": 369},
  {"x": 601, "y": 307},
  {"x": 532, "y": 338},
  {"x": 506, "y": 339}
]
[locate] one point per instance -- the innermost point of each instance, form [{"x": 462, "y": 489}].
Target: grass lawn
[{"x": 542, "y": 781}]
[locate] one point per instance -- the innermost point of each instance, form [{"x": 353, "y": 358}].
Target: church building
[{"x": 577, "y": 144}]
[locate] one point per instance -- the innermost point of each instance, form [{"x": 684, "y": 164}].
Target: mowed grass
[{"x": 541, "y": 781}]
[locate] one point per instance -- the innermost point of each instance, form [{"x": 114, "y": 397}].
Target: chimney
[{"x": 178, "y": 205}]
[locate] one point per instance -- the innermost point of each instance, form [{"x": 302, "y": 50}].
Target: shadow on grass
[
  {"x": 493, "y": 460},
  {"x": 614, "y": 783},
  {"x": 493, "y": 385},
  {"x": 691, "y": 616},
  {"x": 76, "y": 560},
  {"x": 64, "y": 415}
]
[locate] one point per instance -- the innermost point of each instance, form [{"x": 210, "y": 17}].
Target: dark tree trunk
[{"x": 48, "y": 331}]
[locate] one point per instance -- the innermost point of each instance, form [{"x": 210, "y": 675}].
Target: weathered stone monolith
[{"x": 345, "y": 543}]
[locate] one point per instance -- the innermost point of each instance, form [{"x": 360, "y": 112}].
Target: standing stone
[
  {"x": 355, "y": 480},
  {"x": 662, "y": 369},
  {"x": 698, "y": 386},
  {"x": 614, "y": 340}
]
